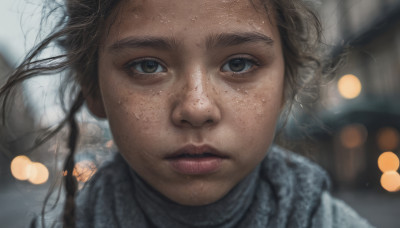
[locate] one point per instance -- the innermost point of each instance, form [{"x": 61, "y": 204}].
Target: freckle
[{"x": 226, "y": 91}]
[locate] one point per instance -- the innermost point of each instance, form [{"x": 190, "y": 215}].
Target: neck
[{"x": 226, "y": 212}]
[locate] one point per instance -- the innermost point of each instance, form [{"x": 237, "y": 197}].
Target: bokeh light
[
  {"x": 387, "y": 138},
  {"x": 353, "y": 136},
  {"x": 349, "y": 86},
  {"x": 84, "y": 170},
  {"x": 388, "y": 161},
  {"x": 20, "y": 167},
  {"x": 109, "y": 143},
  {"x": 38, "y": 173},
  {"x": 390, "y": 181}
]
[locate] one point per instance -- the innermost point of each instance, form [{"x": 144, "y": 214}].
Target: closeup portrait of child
[{"x": 193, "y": 92}]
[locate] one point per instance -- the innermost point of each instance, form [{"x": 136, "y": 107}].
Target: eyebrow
[
  {"x": 213, "y": 41},
  {"x": 145, "y": 42},
  {"x": 232, "y": 39}
]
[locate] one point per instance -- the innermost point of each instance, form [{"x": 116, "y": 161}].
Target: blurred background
[{"x": 354, "y": 130}]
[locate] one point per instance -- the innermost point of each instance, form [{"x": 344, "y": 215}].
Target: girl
[{"x": 192, "y": 91}]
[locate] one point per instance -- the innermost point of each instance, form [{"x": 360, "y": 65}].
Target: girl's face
[{"x": 192, "y": 91}]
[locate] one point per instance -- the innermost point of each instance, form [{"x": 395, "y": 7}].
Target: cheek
[
  {"x": 135, "y": 119},
  {"x": 257, "y": 111},
  {"x": 254, "y": 115}
]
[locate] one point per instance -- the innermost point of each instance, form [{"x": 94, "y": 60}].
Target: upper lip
[{"x": 196, "y": 150}]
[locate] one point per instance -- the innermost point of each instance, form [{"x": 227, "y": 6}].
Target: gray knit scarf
[{"x": 285, "y": 190}]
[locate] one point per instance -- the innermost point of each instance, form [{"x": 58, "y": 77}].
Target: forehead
[{"x": 189, "y": 18}]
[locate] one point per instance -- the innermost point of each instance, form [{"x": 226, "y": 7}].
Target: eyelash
[
  {"x": 131, "y": 67},
  {"x": 250, "y": 64}
]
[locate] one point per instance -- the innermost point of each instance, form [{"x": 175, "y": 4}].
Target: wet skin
[{"x": 200, "y": 78}]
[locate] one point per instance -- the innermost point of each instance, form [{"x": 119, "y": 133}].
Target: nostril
[{"x": 185, "y": 122}]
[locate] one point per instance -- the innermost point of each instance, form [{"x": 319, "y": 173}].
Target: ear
[{"x": 95, "y": 104}]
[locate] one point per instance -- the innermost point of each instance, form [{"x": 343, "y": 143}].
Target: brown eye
[{"x": 238, "y": 65}]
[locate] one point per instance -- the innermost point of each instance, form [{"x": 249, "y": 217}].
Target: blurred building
[
  {"x": 361, "y": 106},
  {"x": 356, "y": 124}
]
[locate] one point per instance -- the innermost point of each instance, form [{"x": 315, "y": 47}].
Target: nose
[{"x": 195, "y": 104}]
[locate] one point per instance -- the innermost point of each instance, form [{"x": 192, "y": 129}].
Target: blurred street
[
  {"x": 381, "y": 210},
  {"x": 19, "y": 204}
]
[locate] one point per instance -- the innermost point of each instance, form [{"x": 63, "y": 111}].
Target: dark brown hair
[{"x": 81, "y": 29}]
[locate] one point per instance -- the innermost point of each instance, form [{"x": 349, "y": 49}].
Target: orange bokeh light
[
  {"x": 109, "y": 143},
  {"x": 388, "y": 161},
  {"x": 388, "y": 138},
  {"x": 349, "y": 86},
  {"x": 353, "y": 136},
  {"x": 19, "y": 167},
  {"x": 38, "y": 173},
  {"x": 84, "y": 170},
  {"x": 22, "y": 168},
  {"x": 390, "y": 181}
]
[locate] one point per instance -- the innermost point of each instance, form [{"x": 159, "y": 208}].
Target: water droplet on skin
[
  {"x": 119, "y": 102},
  {"x": 263, "y": 100},
  {"x": 137, "y": 116},
  {"x": 246, "y": 92}
]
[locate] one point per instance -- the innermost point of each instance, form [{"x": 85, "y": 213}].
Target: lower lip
[{"x": 196, "y": 166}]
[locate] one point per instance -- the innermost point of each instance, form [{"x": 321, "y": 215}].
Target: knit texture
[{"x": 285, "y": 190}]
